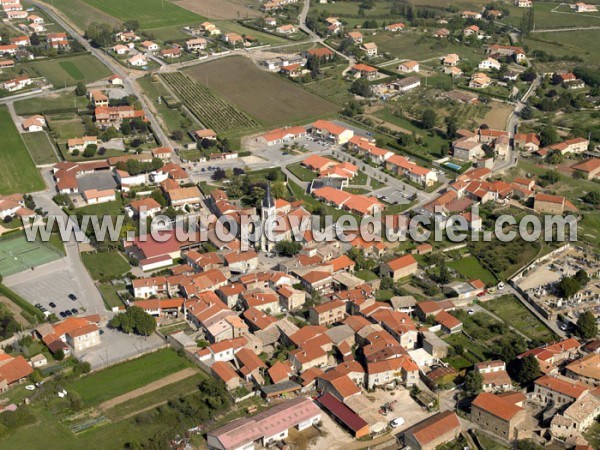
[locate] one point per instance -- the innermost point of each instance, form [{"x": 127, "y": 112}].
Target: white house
[
  {"x": 489, "y": 63},
  {"x": 138, "y": 60}
]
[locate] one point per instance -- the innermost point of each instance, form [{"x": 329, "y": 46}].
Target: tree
[
  {"x": 177, "y": 135},
  {"x": 527, "y": 113},
  {"x": 34, "y": 39},
  {"x": 429, "y": 119},
  {"x": 444, "y": 276},
  {"x": 548, "y": 136},
  {"x": 135, "y": 319},
  {"x": 587, "y": 328},
  {"x": 80, "y": 89},
  {"x": 554, "y": 157},
  {"x": 159, "y": 197},
  {"x": 99, "y": 34},
  {"x": 288, "y": 248},
  {"x": 582, "y": 277},
  {"x": 362, "y": 87},
  {"x": 568, "y": 287},
  {"x": 528, "y": 369},
  {"x": 59, "y": 355},
  {"x": 219, "y": 174},
  {"x": 451, "y": 126},
  {"x": 551, "y": 176},
  {"x": 131, "y": 25},
  {"x": 90, "y": 150},
  {"x": 473, "y": 382},
  {"x": 592, "y": 197}
]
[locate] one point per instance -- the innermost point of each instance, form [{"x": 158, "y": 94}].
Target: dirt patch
[
  {"x": 16, "y": 311},
  {"x": 173, "y": 378},
  {"x": 497, "y": 116},
  {"x": 219, "y": 9}
]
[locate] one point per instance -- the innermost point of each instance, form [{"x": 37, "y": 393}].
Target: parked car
[
  {"x": 62, "y": 314},
  {"x": 52, "y": 305},
  {"x": 73, "y": 297},
  {"x": 399, "y": 421},
  {"x": 75, "y": 311}
]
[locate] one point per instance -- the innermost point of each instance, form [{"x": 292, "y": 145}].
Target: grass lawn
[
  {"x": 40, "y": 147},
  {"x": 103, "y": 209},
  {"x": 153, "y": 14},
  {"x": 69, "y": 71},
  {"x": 302, "y": 172},
  {"x": 472, "y": 348},
  {"x": 334, "y": 89},
  {"x": 572, "y": 43},
  {"x": 472, "y": 269},
  {"x": 117, "y": 380},
  {"x": 110, "y": 296},
  {"x": 17, "y": 169},
  {"x": 509, "y": 309},
  {"x": 366, "y": 275},
  {"x": 544, "y": 18},
  {"x": 66, "y": 101},
  {"x": 163, "y": 394},
  {"x": 488, "y": 443},
  {"x": 66, "y": 127},
  {"x": 589, "y": 228},
  {"x": 105, "y": 264}
]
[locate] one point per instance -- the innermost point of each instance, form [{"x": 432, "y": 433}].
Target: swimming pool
[{"x": 453, "y": 166}]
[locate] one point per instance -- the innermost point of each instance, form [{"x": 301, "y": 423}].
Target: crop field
[
  {"x": 149, "y": 13},
  {"x": 69, "y": 71},
  {"x": 66, "y": 101},
  {"x": 221, "y": 9},
  {"x": 268, "y": 98},
  {"x": 545, "y": 18},
  {"x": 82, "y": 14},
  {"x": 208, "y": 108},
  {"x": 17, "y": 170},
  {"x": 40, "y": 147},
  {"x": 581, "y": 43}
]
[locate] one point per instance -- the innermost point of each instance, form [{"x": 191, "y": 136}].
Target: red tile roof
[
  {"x": 497, "y": 406},
  {"x": 435, "y": 426}
]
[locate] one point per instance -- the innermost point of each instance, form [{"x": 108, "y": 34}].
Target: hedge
[{"x": 22, "y": 303}]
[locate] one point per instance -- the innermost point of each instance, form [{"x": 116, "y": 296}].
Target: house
[
  {"x": 83, "y": 338},
  {"x": 10, "y": 49},
  {"x": 584, "y": 7},
  {"x": 16, "y": 83},
  {"x": 507, "y": 50},
  {"x": 364, "y": 71},
  {"x": 187, "y": 196},
  {"x": 148, "y": 287},
  {"x": 79, "y": 333},
  {"x": 575, "y": 145},
  {"x": 233, "y": 38},
  {"x": 442, "y": 33},
  {"x": 327, "y": 313},
  {"x": 163, "y": 153},
  {"x": 549, "y": 204},
  {"x": 121, "y": 49},
  {"x": 303, "y": 359},
  {"x": 432, "y": 432},
  {"x": 586, "y": 369},
  {"x": 81, "y": 143},
  {"x": 409, "y": 66},
  {"x": 330, "y": 131},
  {"x": 21, "y": 41},
  {"x": 282, "y": 135},
  {"x": 405, "y": 84},
  {"x": 471, "y": 30},
  {"x": 38, "y": 360},
  {"x": 356, "y": 36},
  {"x": 394, "y": 27},
  {"x": 528, "y": 142},
  {"x": 287, "y": 29},
  {"x": 558, "y": 391},
  {"x": 196, "y": 44},
  {"x": 127, "y": 36},
  {"x": 524, "y": 3},
  {"x": 497, "y": 414},
  {"x": 13, "y": 371},
  {"x": 590, "y": 168},
  {"x": 392, "y": 371},
  {"x": 113, "y": 115},
  {"x": 225, "y": 372},
  {"x": 174, "y": 52},
  {"x": 34, "y": 123},
  {"x": 291, "y": 70},
  {"x": 322, "y": 53},
  {"x": 94, "y": 196},
  {"x": 489, "y": 63},
  {"x": 480, "y": 81},
  {"x": 451, "y": 59},
  {"x": 576, "y": 418},
  {"x": 242, "y": 262},
  {"x": 15, "y": 15},
  {"x": 370, "y": 48},
  {"x": 35, "y": 19},
  {"x": 453, "y": 71},
  {"x": 37, "y": 28},
  {"x": 449, "y": 323},
  {"x": 115, "y": 80},
  {"x": 494, "y": 375},
  {"x": 355, "y": 203},
  {"x": 470, "y": 15},
  {"x": 267, "y": 427},
  {"x": 138, "y": 60},
  {"x": 98, "y": 97},
  {"x": 210, "y": 28},
  {"x": 149, "y": 46},
  {"x": 399, "y": 268},
  {"x": 145, "y": 207}
]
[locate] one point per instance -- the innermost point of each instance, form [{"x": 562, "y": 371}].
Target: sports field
[
  {"x": 149, "y": 13},
  {"x": 69, "y": 71},
  {"x": 17, "y": 170},
  {"x": 268, "y": 98},
  {"x": 17, "y": 254}
]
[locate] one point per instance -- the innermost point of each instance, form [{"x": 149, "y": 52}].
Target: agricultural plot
[
  {"x": 65, "y": 102},
  {"x": 270, "y": 99},
  {"x": 82, "y": 14},
  {"x": 66, "y": 126},
  {"x": 40, "y": 147},
  {"x": 208, "y": 108},
  {"x": 69, "y": 71},
  {"x": 153, "y": 13},
  {"x": 551, "y": 15},
  {"x": 17, "y": 170},
  {"x": 221, "y": 9},
  {"x": 581, "y": 43}
]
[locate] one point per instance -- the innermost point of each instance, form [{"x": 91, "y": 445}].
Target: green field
[
  {"x": 82, "y": 14},
  {"x": 66, "y": 101},
  {"x": 149, "y": 13},
  {"x": 117, "y": 380},
  {"x": 69, "y": 71},
  {"x": 40, "y": 147},
  {"x": 302, "y": 172},
  {"x": 170, "y": 391},
  {"x": 546, "y": 19},
  {"x": 472, "y": 269},
  {"x": 18, "y": 254},
  {"x": 581, "y": 43},
  {"x": 66, "y": 127},
  {"x": 17, "y": 169},
  {"x": 509, "y": 309},
  {"x": 105, "y": 264}
]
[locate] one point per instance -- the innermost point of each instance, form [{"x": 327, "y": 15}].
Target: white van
[{"x": 397, "y": 422}]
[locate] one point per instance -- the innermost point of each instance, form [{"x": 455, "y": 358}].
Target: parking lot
[
  {"x": 116, "y": 346},
  {"x": 99, "y": 180},
  {"x": 394, "y": 196},
  {"x": 53, "y": 282}
]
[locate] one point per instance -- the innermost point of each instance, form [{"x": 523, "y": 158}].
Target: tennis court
[{"x": 18, "y": 254}]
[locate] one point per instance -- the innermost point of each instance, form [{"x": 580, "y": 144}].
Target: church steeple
[{"x": 268, "y": 201}]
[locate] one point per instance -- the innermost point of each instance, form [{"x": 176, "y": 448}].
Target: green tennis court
[{"x": 18, "y": 254}]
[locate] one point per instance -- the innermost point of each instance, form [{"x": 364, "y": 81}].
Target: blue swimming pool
[{"x": 452, "y": 166}]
